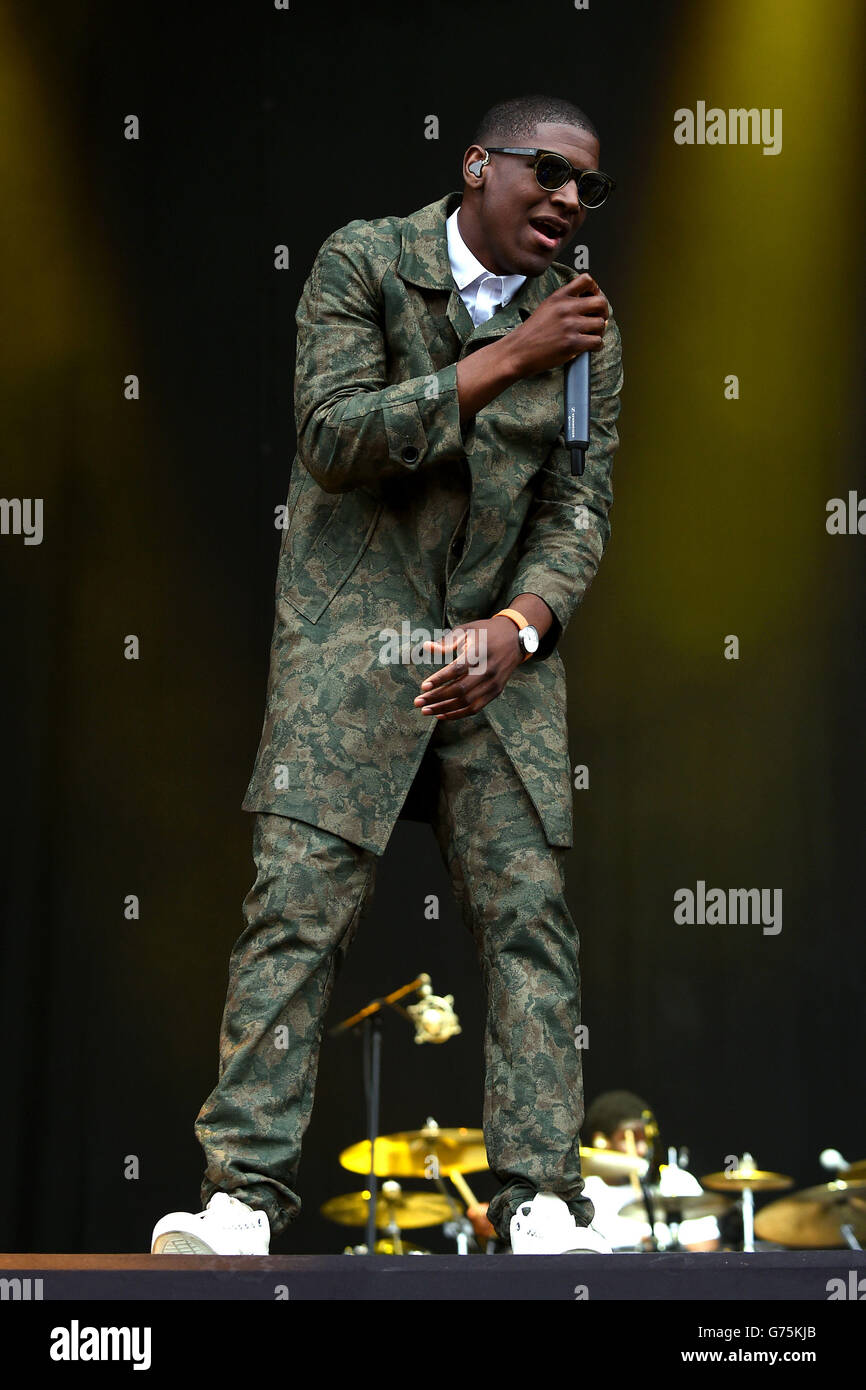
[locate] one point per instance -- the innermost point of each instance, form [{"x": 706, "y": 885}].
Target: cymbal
[
  {"x": 856, "y": 1172},
  {"x": 669, "y": 1208},
  {"x": 747, "y": 1177},
  {"x": 610, "y": 1164},
  {"x": 408, "y": 1154},
  {"x": 409, "y": 1209},
  {"x": 811, "y": 1219}
]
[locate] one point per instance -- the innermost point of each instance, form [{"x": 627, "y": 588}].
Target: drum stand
[
  {"x": 459, "y": 1231},
  {"x": 746, "y": 1179},
  {"x": 748, "y": 1208}
]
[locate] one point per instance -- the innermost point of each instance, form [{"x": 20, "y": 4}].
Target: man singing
[{"x": 431, "y": 486}]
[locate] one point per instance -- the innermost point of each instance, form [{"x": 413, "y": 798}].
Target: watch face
[{"x": 529, "y": 639}]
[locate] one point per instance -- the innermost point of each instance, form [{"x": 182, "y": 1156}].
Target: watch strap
[{"x": 517, "y": 618}]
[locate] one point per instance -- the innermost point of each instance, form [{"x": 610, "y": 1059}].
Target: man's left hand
[{"x": 485, "y": 654}]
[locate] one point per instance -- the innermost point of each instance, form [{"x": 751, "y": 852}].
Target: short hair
[
  {"x": 611, "y": 1109},
  {"x": 513, "y": 122}
]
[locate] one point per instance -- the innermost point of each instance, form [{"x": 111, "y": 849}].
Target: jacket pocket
[{"x": 327, "y": 536}]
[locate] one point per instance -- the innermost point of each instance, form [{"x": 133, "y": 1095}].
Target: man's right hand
[{"x": 569, "y": 321}]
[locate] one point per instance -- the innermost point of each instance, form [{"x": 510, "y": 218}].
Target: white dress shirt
[{"x": 481, "y": 291}]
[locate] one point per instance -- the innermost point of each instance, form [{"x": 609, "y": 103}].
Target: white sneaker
[
  {"x": 227, "y": 1226},
  {"x": 545, "y": 1226}
]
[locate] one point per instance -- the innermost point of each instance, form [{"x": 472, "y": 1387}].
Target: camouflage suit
[{"x": 398, "y": 513}]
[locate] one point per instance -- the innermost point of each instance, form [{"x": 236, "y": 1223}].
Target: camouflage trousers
[{"x": 311, "y": 890}]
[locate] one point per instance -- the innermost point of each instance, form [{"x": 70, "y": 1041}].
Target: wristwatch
[{"x": 527, "y": 635}]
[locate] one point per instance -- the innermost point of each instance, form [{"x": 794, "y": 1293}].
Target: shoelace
[
  {"x": 249, "y": 1220},
  {"x": 242, "y": 1225}
]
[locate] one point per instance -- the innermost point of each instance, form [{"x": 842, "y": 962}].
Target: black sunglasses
[{"x": 553, "y": 170}]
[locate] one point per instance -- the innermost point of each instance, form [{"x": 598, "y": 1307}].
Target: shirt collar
[{"x": 466, "y": 268}]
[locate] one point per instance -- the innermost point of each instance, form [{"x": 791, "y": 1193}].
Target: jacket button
[{"x": 409, "y": 454}]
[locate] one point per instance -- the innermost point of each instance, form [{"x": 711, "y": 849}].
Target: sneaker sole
[{"x": 180, "y": 1243}]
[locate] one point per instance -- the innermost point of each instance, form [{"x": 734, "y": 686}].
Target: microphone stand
[
  {"x": 372, "y": 1085},
  {"x": 370, "y": 1017}
]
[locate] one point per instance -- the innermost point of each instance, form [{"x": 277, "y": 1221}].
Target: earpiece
[{"x": 478, "y": 164}]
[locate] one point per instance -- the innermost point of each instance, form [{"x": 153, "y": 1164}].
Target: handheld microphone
[{"x": 577, "y": 411}]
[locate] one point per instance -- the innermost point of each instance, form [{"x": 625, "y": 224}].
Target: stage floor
[{"x": 777, "y": 1275}]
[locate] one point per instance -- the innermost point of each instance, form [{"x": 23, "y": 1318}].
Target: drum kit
[{"x": 825, "y": 1217}]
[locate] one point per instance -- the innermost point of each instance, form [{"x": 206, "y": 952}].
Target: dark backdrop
[{"x": 155, "y": 257}]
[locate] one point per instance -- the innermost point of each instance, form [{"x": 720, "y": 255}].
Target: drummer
[{"x": 623, "y": 1121}]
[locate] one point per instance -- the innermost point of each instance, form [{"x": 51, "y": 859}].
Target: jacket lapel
[{"x": 424, "y": 261}]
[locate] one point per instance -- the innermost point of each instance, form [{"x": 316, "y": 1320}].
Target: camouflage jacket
[{"x": 399, "y": 519}]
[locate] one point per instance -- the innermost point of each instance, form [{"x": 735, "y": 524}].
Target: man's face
[{"x": 497, "y": 223}]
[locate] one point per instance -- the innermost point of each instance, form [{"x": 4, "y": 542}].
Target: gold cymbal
[
  {"x": 409, "y": 1154},
  {"x": 610, "y": 1164},
  {"x": 747, "y": 1177},
  {"x": 667, "y": 1207},
  {"x": 811, "y": 1219},
  {"x": 856, "y": 1172},
  {"x": 409, "y": 1209}
]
